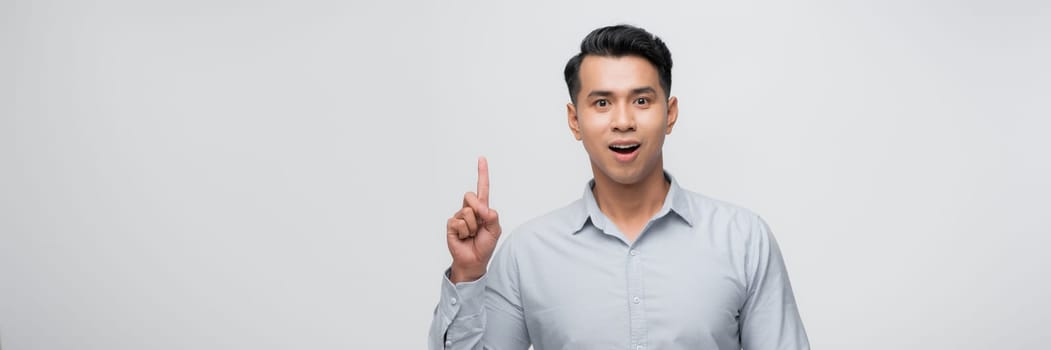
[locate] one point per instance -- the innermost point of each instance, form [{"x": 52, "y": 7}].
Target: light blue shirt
[{"x": 702, "y": 274}]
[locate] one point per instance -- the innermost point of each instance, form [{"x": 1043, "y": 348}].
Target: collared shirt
[{"x": 702, "y": 274}]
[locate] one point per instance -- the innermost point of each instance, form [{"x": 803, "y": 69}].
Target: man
[{"x": 638, "y": 262}]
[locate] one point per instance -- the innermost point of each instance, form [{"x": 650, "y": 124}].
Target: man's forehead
[{"x": 617, "y": 74}]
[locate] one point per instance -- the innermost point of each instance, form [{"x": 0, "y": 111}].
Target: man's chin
[
  {"x": 621, "y": 174},
  {"x": 624, "y": 177}
]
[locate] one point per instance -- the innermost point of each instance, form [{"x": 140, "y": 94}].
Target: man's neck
[{"x": 630, "y": 207}]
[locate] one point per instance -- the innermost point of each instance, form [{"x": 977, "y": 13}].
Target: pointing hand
[{"x": 473, "y": 230}]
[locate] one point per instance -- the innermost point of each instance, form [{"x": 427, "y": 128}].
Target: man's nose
[{"x": 623, "y": 119}]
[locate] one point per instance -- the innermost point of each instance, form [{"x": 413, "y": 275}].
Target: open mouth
[{"x": 624, "y": 149}]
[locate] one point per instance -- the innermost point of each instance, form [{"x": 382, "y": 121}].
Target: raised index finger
[{"x": 483, "y": 181}]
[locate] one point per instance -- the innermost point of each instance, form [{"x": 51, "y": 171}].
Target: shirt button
[
  {"x": 448, "y": 343},
  {"x": 634, "y": 252},
  {"x": 636, "y": 300},
  {"x": 453, "y": 301}
]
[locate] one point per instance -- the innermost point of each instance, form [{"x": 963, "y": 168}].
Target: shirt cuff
[{"x": 464, "y": 298}]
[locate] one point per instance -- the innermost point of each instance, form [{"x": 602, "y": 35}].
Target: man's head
[
  {"x": 619, "y": 41},
  {"x": 621, "y": 109}
]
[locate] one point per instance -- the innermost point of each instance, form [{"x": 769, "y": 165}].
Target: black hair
[{"x": 618, "y": 41}]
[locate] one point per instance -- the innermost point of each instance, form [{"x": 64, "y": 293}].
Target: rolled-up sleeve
[{"x": 770, "y": 318}]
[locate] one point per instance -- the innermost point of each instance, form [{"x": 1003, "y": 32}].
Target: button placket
[{"x": 636, "y": 309}]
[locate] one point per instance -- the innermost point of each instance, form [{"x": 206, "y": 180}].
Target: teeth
[{"x": 624, "y": 146}]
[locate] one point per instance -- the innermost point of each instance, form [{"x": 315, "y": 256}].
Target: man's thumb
[{"x": 492, "y": 221}]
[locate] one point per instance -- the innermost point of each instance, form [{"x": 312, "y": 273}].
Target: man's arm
[
  {"x": 769, "y": 319},
  {"x": 480, "y": 307},
  {"x": 482, "y": 314}
]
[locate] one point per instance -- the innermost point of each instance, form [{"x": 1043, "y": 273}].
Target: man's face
[{"x": 621, "y": 116}]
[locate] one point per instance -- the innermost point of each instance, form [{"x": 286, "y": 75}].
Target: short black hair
[{"x": 618, "y": 41}]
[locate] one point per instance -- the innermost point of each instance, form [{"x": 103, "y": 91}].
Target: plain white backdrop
[{"x": 277, "y": 174}]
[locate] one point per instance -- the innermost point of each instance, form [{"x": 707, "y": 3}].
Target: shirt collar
[{"x": 675, "y": 201}]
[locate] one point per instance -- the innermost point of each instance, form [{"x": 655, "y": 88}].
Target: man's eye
[
  {"x": 601, "y": 103},
  {"x": 642, "y": 100}
]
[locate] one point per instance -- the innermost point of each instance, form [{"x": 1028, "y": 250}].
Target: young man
[{"x": 638, "y": 262}]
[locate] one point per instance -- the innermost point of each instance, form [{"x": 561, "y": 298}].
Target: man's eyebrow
[
  {"x": 599, "y": 93},
  {"x": 643, "y": 90},
  {"x": 635, "y": 91}
]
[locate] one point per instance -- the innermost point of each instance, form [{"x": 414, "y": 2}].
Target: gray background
[{"x": 277, "y": 175}]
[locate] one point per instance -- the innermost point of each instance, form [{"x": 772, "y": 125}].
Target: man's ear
[
  {"x": 673, "y": 114},
  {"x": 574, "y": 124}
]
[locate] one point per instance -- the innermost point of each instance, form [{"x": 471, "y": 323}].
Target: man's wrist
[{"x": 459, "y": 275}]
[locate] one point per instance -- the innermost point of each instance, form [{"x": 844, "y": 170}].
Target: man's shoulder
[
  {"x": 707, "y": 209},
  {"x": 563, "y": 220}
]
